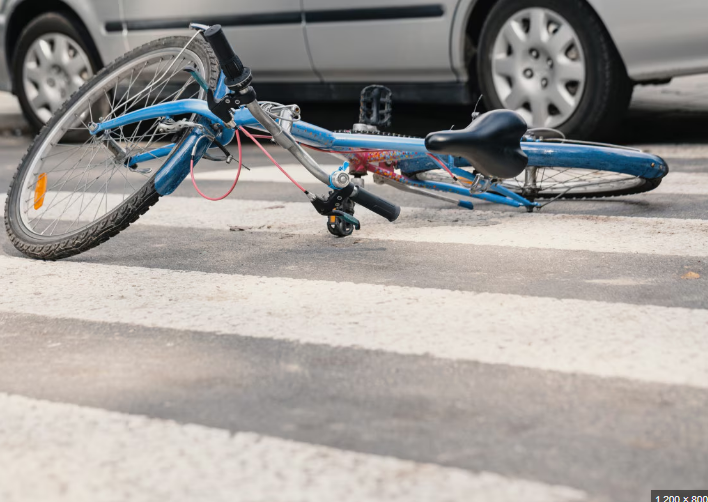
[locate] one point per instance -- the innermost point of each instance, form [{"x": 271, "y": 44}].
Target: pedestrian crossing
[
  {"x": 605, "y": 234},
  {"x": 88, "y": 453},
  {"x": 111, "y": 450},
  {"x": 578, "y": 336},
  {"x": 676, "y": 184},
  {"x": 602, "y": 234}
]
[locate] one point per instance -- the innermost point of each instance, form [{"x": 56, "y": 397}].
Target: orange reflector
[
  {"x": 39, "y": 190},
  {"x": 332, "y": 219}
]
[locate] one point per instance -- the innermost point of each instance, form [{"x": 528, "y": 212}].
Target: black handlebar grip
[
  {"x": 376, "y": 204},
  {"x": 228, "y": 60}
]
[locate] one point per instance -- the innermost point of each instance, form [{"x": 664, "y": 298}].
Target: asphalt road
[{"x": 236, "y": 351}]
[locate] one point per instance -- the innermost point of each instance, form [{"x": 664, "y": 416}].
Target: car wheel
[
  {"x": 52, "y": 60},
  {"x": 553, "y": 62}
]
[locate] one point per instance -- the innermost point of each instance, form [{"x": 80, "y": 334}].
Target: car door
[
  {"x": 658, "y": 38},
  {"x": 380, "y": 40},
  {"x": 95, "y": 15},
  {"x": 268, "y": 35}
]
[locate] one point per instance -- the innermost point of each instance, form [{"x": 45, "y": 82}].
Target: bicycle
[{"x": 135, "y": 131}]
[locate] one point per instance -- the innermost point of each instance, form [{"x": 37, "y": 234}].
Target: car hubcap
[
  {"x": 538, "y": 67},
  {"x": 55, "y": 66}
]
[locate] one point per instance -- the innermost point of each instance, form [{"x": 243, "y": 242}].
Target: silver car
[{"x": 565, "y": 64}]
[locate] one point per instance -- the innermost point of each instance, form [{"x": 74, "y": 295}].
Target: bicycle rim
[
  {"x": 573, "y": 182},
  {"x": 71, "y": 185}
]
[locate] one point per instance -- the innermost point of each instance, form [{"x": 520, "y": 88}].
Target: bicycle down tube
[{"x": 370, "y": 151}]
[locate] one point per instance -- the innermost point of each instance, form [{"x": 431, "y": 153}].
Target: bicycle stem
[
  {"x": 237, "y": 78},
  {"x": 286, "y": 140}
]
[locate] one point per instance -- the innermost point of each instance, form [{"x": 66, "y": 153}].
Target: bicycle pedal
[
  {"x": 346, "y": 217},
  {"x": 375, "y": 106}
]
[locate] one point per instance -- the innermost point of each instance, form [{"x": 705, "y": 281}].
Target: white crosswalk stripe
[
  {"x": 605, "y": 234},
  {"x": 677, "y": 151},
  {"x": 683, "y": 184},
  {"x": 48, "y": 446},
  {"x": 265, "y": 174},
  {"x": 675, "y": 184},
  {"x": 639, "y": 344},
  {"x": 598, "y": 338}
]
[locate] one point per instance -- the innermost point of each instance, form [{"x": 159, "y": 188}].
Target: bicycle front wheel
[{"x": 73, "y": 191}]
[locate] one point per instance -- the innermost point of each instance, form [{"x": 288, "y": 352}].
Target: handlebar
[
  {"x": 375, "y": 204},
  {"x": 238, "y": 77},
  {"x": 231, "y": 65},
  {"x": 228, "y": 60}
]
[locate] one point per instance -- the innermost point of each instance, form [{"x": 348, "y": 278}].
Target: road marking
[
  {"x": 606, "y": 234},
  {"x": 639, "y": 342},
  {"x": 267, "y": 174},
  {"x": 54, "y": 451},
  {"x": 684, "y": 184},
  {"x": 657, "y": 236},
  {"x": 674, "y": 183},
  {"x": 677, "y": 151}
]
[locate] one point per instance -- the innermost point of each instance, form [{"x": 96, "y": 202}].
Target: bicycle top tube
[
  {"x": 540, "y": 154},
  {"x": 560, "y": 155}
]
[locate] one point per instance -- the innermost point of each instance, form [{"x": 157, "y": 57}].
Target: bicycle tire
[
  {"x": 632, "y": 185},
  {"x": 131, "y": 208}
]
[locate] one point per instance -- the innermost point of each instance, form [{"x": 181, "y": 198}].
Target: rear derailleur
[{"x": 339, "y": 210}]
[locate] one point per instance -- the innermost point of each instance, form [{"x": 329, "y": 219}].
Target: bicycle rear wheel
[
  {"x": 68, "y": 196},
  {"x": 575, "y": 183}
]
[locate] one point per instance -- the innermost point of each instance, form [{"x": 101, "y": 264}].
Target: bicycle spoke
[
  {"x": 556, "y": 180},
  {"x": 85, "y": 180}
]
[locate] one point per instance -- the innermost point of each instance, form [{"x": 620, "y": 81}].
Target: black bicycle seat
[{"x": 491, "y": 144}]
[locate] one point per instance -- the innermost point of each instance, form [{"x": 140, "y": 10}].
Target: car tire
[
  {"x": 550, "y": 43},
  {"x": 64, "y": 76}
]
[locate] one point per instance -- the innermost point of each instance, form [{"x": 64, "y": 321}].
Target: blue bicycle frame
[{"x": 409, "y": 154}]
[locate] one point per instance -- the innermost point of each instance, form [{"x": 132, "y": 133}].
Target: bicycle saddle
[{"x": 490, "y": 144}]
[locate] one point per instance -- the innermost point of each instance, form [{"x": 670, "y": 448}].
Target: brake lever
[
  {"x": 335, "y": 199},
  {"x": 196, "y": 76}
]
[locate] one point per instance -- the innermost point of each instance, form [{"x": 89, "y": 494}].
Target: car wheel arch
[
  {"x": 25, "y": 12},
  {"x": 474, "y": 18}
]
